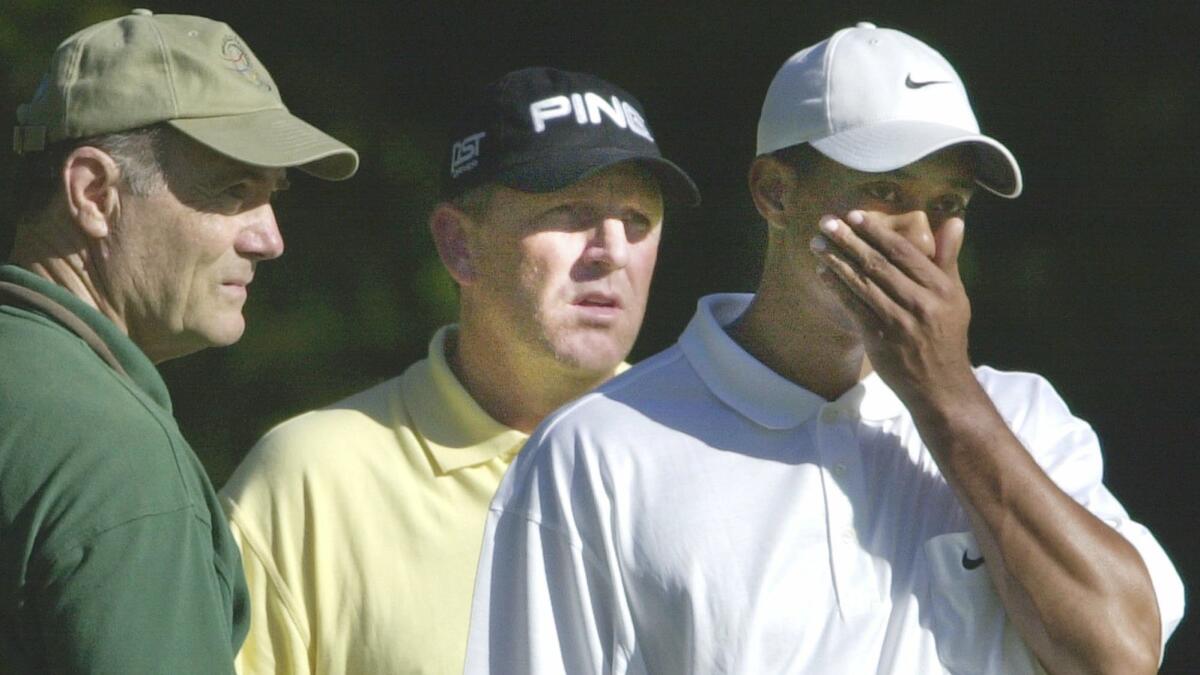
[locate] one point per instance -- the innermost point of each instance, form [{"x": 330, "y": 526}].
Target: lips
[
  {"x": 599, "y": 309},
  {"x": 601, "y": 300},
  {"x": 238, "y": 286}
]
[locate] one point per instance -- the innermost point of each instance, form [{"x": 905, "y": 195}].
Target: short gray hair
[{"x": 141, "y": 155}]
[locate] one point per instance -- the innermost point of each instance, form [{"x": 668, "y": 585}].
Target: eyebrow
[
  {"x": 238, "y": 171},
  {"x": 961, "y": 183}
]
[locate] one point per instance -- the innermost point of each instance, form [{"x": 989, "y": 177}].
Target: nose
[
  {"x": 608, "y": 246},
  {"x": 915, "y": 227},
  {"x": 261, "y": 239}
]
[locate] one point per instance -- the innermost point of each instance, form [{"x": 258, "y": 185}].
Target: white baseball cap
[{"x": 876, "y": 99}]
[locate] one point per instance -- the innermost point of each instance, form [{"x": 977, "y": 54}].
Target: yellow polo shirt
[{"x": 360, "y": 526}]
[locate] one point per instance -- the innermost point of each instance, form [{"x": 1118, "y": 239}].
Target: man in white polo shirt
[
  {"x": 360, "y": 524},
  {"x": 815, "y": 479}
]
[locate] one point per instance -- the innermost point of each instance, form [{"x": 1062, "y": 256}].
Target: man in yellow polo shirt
[{"x": 360, "y": 524}]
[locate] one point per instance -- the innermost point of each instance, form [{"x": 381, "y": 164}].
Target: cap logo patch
[
  {"x": 588, "y": 108},
  {"x": 239, "y": 61},
  {"x": 464, "y": 156},
  {"x": 913, "y": 84}
]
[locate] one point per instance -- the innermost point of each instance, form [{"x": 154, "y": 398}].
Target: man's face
[
  {"x": 182, "y": 257},
  {"x": 565, "y": 275},
  {"x": 916, "y": 199}
]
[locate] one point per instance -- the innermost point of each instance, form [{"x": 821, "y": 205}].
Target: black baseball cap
[{"x": 541, "y": 129}]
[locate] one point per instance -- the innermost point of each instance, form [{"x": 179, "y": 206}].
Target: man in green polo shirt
[
  {"x": 150, "y": 154},
  {"x": 361, "y": 523}
]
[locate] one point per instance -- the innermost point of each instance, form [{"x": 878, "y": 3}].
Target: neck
[
  {"x": 790, "y": 333},
  {"x": 513, "y": 389},
  {"x": 66, "y": 264}
]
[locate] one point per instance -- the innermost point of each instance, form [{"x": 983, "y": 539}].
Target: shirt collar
[
  {"x": 872, "y": 399},
  {"x": 456, "y": 431},
  {"x": 135, "y": 362},
  {"x": 756, "y": 391}
]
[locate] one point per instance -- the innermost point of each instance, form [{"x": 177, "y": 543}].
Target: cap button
[
  {"x": 142, "y": 12},
  {"x": 861, "y": 24}
]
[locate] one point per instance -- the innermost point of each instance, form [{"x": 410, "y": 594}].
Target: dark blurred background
[{"x": 1089, "y": 278}]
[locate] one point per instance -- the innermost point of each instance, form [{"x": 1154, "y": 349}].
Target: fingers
[
  {"x": 906, "y": 298},
  {"x": 867, "y": 302},
  {"x": 875, "y": 265},
  {"x": 902, "y": 251},
  {"x": 949, "y": 241}
]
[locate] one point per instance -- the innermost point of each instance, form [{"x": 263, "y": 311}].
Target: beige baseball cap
[{"x": 193, "y": 73}]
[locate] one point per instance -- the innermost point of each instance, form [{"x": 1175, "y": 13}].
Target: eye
[
  {"x": 237, "y": 191},
  {"x": 950, "y": 205},
  {"x": 883, "y": 191},
  {"x": 637, "y": 225},
  {"x": 569, "y": 216}
]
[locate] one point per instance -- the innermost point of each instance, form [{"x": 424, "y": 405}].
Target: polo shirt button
[
  {"x": 829, "y": 415},
  {"x": 839, "y": 469},
  {"x": 849, "y": 535}
]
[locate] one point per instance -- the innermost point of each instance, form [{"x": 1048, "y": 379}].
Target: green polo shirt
[{"x": 114, "y": 554}]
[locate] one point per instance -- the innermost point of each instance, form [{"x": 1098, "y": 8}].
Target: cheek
[
  {"x": 641, "y": 267},
  {"x": 531, "y": 280},
  {"x": 546, "y": 263},
  {"x": 203, "y": 244}
]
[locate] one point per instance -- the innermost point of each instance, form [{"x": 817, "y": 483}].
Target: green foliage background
[{"x": 1090, "y": 278}]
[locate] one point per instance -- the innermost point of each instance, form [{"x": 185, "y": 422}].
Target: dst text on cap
[
  {"x": 542, "y": 129},
  {"x": 875, "y": 99},
  {"x": 193, "y": 73}
]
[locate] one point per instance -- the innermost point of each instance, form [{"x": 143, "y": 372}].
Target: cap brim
[
  {"x": 888, "y": 146},
  {"x": 276, "y": 139},
  {"x": 547, "y": 174}
]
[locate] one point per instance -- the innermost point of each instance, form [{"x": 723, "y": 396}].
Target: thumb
[{"x": 949, "y": 240}]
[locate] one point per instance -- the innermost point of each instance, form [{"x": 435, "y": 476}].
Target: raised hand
[{"x": 899, "y": 280}]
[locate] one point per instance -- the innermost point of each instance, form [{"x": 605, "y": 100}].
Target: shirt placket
[{"x": 841, "y": 465}]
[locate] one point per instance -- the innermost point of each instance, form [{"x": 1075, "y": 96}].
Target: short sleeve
[
  {"x": 1069, "y": 451},
  {"x": 141, "y": 597},
  {"x": 545, "y": 601}
]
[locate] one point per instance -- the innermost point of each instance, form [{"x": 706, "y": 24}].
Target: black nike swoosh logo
[
  {"x": 911, "y": 84},
  {"x": 969, "y": 563}
]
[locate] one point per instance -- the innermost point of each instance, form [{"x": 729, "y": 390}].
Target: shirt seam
[
  {"x": 590, "y": 557},
  {"x": 528, "y": 517},
  {"x": 253, "y": 545},
  {"x": 75, "y": 541}
]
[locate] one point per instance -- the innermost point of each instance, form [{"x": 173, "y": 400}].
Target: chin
[
  {"x": 598, "y": 356},
  {"x": 224, "y": 333}
]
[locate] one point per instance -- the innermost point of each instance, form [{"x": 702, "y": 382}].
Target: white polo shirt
[{"x": 701, "y": 514}]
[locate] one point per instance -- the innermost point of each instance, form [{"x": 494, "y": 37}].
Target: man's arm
[
  {"x": 1078, "y": 591},
  {"x": 141, "y": 597}
]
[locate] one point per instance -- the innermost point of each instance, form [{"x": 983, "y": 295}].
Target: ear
[
  {"x": 450, "y": 227},
  {"x": 90, "y": 177},
  {"x": 768, "y": 181}
]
